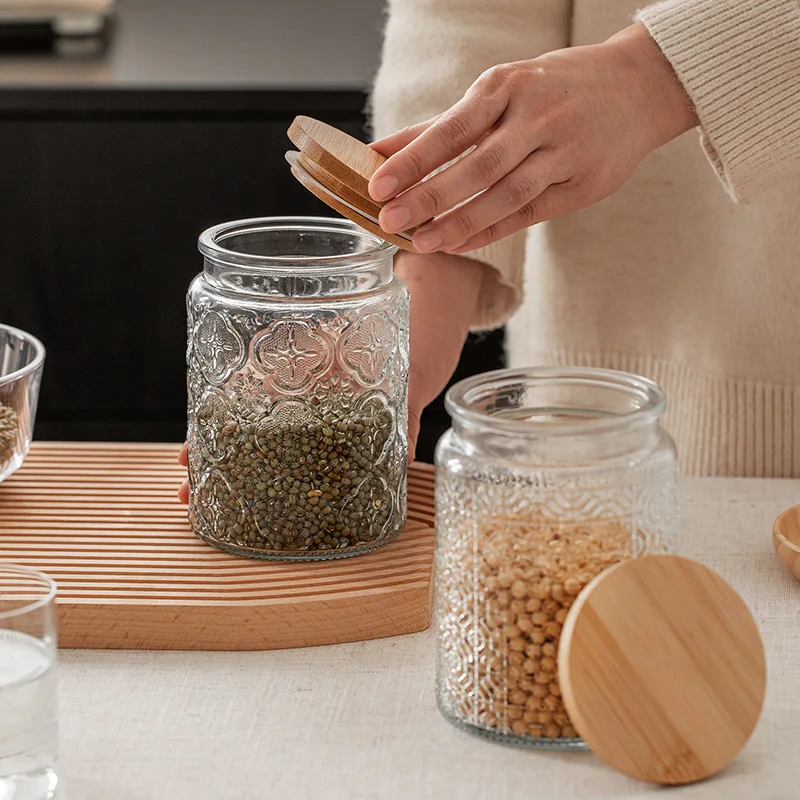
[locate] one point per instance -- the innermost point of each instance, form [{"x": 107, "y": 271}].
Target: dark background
[{"x": 113, "y": 162}]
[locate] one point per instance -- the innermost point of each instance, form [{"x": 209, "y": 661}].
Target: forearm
[{"x": 664, "y": 98}]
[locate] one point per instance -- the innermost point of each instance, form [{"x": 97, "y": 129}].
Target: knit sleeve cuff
[
  {"x": 740, "y": 65},
  {"x": 501, "y": 290}
]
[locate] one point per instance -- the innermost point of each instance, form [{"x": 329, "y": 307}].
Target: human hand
[
  {"x": 551, "y": 135},
  {"x": 444, "y": 294}
]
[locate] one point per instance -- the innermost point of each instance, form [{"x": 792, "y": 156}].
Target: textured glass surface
[
  {"x": 297, "y": 412},
  {"x": 516, "y": 543}
]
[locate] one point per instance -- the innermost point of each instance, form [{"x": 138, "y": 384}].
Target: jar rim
[
  {"x": 33, "y": 364},
  {"x": 649, "y": 401},
  {"x": 209, "y": 245}
]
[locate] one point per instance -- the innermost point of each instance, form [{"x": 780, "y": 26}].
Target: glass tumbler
[
  {"x": 28, "y": 735},
  {"x": 21, "y": 364},
  {"x": 546, "y": 478},
  {"x": 297, "y": 378}
]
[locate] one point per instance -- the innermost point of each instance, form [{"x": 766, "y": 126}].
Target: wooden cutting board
[{"x": 103, "y": 520}]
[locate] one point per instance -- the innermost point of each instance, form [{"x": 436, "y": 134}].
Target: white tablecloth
[{"x": 359, "y": 721}]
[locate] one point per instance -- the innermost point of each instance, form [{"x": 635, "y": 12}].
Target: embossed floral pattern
[
  {"x": 213, "y": 413},
  {"x": 367, "y": 347},
  {"x": 291, "y": 353},
  {"x": 334, "y": 392},
  {"x": 215, "y": 505},
  {"x": 258, "y": 378},
  {"x": 248, "y": 389},
  {"x": 480, "y": 676},
  {"x": 218, "y": 347}
]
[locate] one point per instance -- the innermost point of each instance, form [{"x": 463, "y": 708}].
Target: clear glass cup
[
  {"x": 546, "y": 478},
  {"x": 28, "y": 729},
  {"x": 21, "y": 364},
  {"x": 297, "y": 380}
]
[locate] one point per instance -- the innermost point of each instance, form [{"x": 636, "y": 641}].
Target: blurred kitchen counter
[{"x": 157, "y": 48}]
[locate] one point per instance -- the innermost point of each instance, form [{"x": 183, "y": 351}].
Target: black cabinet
[{"x": 102, "y": 217}]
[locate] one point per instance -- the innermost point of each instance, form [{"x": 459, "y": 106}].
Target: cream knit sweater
[{"x": 672, "y": 277}]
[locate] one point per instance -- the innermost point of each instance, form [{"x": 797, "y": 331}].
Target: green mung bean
[{"x": 289, "y": 487}]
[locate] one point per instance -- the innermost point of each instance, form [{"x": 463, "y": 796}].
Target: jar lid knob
[{"x": 662, "y": 669}]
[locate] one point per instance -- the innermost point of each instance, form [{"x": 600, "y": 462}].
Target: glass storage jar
[
  {"x": 547, "y": 477},
  {"x": 297, "y": 377},
  {"x": 21, "y": 365}
]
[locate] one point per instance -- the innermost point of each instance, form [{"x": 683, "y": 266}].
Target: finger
[
  {"x": 490, "y": 162},
  {"x": 449, "y": 136},
  {"x": 557, "y": 200},
  {"x": 389, "y": 145},
  {"x": 183, "y": 456},
  {"x": 516, "y": 189},
  {"x": 183, "y": 493}
]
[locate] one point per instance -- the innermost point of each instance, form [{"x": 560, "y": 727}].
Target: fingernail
[
  {"x": 383, "y": 188},
  {"x": 451, "y": 247},
  {"x": 428, "y": 241},
  {"x": 395, "y": 218}
]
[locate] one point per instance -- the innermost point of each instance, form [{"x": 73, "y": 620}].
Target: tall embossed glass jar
[
  {"x": 297, "y": 379},
  {"x": 546, "y": 478}
]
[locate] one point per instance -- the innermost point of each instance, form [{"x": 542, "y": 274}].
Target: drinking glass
[{"x": 28, "y": 740}]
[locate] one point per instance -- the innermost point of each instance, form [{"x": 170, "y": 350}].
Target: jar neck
[
  {"x": 295, "y": 257},
  {"x": 557, "y": 417}
]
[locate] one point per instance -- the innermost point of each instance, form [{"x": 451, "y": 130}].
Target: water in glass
[
  {"x": 28, "y": 735},
  {"x": 28, "y": 721}
]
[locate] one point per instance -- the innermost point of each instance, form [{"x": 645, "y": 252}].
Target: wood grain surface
[
  {"x": 338, "y": 153},
  {"x": 333, "y": 202},
  {"x": 662, "y": 669},
  {"x": 343, "y": 166},
  {"x": 338, "y": 187},
  {"x": 103, "y": 520}
]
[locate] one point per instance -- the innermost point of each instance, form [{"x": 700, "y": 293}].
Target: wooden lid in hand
[
  {"x": 662, "y": 669},
  {"x": 336, "y": 168}
]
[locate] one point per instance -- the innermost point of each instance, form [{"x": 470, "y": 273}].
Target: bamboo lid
[
  {"x": 336, "y": 168},
  {"x": 662, "y": 669}
]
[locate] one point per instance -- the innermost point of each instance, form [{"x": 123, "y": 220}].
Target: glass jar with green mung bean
[{"x": 297, "y": 377}]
